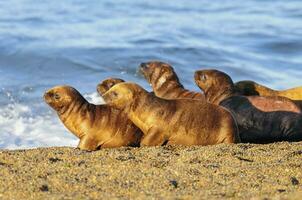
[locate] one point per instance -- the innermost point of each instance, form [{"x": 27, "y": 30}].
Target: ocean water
[{"x": 79, "y": 43}]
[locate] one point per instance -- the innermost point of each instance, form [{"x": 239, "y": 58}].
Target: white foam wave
[
  {"x": 94, "y": 98},
  {"x": 20, "y": 128}
]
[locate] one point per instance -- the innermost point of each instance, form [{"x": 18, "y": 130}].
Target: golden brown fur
[
  {"x": 250, "y": 88},
  {"x": 106, "y": 84},
  {"x": 179, "y": 121},
  {"x": 97, "y": 126},
  {"x": 165, "y": 82},
  {"x": 218, "y": 86}
]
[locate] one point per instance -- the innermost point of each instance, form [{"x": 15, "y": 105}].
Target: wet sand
[{"x": 242, "y": 171}]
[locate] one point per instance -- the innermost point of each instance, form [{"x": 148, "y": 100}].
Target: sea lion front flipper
[
  {"x": 154, "y": 137},
  {"x": 87, "y": 143},
  {"x": 112, "y": 143}
]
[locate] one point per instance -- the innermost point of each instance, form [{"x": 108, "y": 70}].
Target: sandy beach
[{"x": 241, "y": 171}]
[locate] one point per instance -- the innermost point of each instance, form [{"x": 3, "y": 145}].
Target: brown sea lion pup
[
  {"x": 250, "y": 88},
  {"x": 177, "y": 121},
  {"x": 258, "y": 120},
  {"x": 106, "y": 84},
  {"x": 97, "y": 126},
  {"x": 164, "y": 81}
]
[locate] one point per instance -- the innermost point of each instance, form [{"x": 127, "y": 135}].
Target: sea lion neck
[
  {"x": 138, "y": 101},
  {"x": 144, "y": 107},
  {"x": 167, "y": 87},
  {"x": 75, "y": 105},
  {"x": 216, "y": 94}
]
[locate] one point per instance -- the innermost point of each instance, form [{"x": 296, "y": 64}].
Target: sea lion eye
[
  {"x": 56, "y": 96},
  {"x": 114, "y": 94}
]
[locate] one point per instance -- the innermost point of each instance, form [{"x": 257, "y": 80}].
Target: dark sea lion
[
  {"x": 164, "y": 81},
  {"x": 97, "y": 126},
  {"x": 277, "y": 120},
  {"x": 250, "y": 88},
  {"x": 106, "y": 84},
  {"x": 177, "y": 121}
]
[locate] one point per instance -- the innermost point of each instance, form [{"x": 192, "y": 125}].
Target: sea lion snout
[
  {"x": 143, "y": 65},
  {"x": 50, "y": 95},
  {"x": 143, "y": 69},
  {"x": 47, "y": 96},
  {"x": 99, "y": 88},
  {"x": 198, "y": 76},
  {"x": 200, "y": 79}
]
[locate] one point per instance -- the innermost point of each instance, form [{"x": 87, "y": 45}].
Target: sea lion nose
[
  {"x": 143, "y": 65},
  {"x": 47, "y": 95},
  {"x": 196, "y": 76},
  {"x": 98, "y": 87}
]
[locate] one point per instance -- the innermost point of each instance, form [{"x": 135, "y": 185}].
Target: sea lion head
[
  {"x": 60, "y": 97},
  {"x": 122, "y": 95},
  {"x": 214, "y": 83},
  {"x": 157, "y": 73},
  {"x": 209, "y": 79},
  {"x": 108, "y": 83},
  {"x": 246, "y": 88}
]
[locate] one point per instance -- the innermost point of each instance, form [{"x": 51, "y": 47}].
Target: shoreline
[{"x": 236, "y": 171}]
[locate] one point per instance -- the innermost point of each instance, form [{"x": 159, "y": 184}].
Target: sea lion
[
  {"x": 177, "y": 121},
  {"x": 97, "y": 126},
  {"x": 255, "y": 125},
  {"x": 106, "y": 84},
  {"x": 250, "y": 88},
  {"x": 164, "y": 81}
]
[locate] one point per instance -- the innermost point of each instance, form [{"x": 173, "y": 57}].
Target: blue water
[{"x": 80, "y": 42}]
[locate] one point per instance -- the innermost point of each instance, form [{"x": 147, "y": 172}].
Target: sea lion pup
[
  {"x": 255, "y": 125},
  {"x": 177, "y": 121},
  {"x": 164, "y": 81},
  {"x": 97, "y": 126},
  {"x": 106, "y": 84},
  {"x": 249, "y": 88}
]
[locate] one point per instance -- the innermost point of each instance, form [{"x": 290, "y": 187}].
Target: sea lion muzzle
[
  {"x": 200, "y": 78},
  {"x": 143, "y": 69},
  {"x": 143, "y": 65},
  {"x": 48, "y": 96}
]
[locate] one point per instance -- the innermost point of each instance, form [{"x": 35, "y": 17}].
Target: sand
[{"x": 241, "y": 171}]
